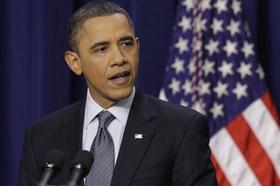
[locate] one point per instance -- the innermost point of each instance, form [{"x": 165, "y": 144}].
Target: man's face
[{"x": 108, "y": 57}]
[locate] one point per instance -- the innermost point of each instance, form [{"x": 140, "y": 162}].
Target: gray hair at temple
[{"x": 92, "y": 9}]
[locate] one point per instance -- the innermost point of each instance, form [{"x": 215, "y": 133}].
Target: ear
[
  {"x": 73, "y": 61},
  {"x": 138, "y": 42}
]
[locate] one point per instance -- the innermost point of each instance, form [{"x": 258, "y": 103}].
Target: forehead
[{"x": 105, "y": 26}]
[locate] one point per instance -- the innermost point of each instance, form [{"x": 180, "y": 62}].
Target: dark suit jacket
[{"x": 174, "y": 149}]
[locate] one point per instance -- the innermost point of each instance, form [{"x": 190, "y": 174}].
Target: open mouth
[
  {"x": 120, "y": 78},
  {"x": 120, "y": 75}
]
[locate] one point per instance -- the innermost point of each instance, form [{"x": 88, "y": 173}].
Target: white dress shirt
[{"x": 116, "y": 128}]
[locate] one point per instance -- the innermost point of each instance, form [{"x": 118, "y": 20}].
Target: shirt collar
[{"x": 120, "y": 109}]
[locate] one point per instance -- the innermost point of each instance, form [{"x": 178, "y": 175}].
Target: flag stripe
[
  {"x": 253, "y": 151},
  {"x": 231, "y": 160},
  {"x": 266, "y": 130},
  {"x": 221, "y": 178},
  {"x": 266, "y": 98}
]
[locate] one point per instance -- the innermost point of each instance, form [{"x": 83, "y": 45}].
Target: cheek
[
  {"x": 135, "y": 63},
  {"x": 94, "y": 64},
  {"x": 98, "y": 72},
  {"x": 95, "y": 71}
]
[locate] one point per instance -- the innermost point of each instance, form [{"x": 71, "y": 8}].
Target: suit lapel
[
  {"x": 69, "y": 136},
  {"x": 137, "y": 136}
]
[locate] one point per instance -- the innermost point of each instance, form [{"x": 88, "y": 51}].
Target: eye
[
  {"x": 100, "y": 49},
  {"x": 127, "y": 43}
]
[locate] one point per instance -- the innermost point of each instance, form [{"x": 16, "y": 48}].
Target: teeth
[{"x": 120, "y": 75}]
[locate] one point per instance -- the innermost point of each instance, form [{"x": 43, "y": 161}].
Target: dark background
[{"x": 35, "y": 80}]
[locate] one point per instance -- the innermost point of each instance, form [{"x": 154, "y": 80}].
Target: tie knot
[{"x": 105, "y": 118}]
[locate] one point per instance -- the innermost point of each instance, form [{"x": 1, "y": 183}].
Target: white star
[
  {"x": 247, "y": 49},
  {"x": 240, "y": 90},
  {"x": 230, "y": 48},
  {"x": 191, "y": 66},
  {"x": 212, "y": 47},
  {"x": 174, "y": 86},
  {"x": 233, "y": 27},
  {"x": 200, "y": 24},
  {"x": 208, "y": 67},
  {"x": 205, "y": 4},
  {"x": 187, "y": 87},
  {"x": 189, "y": 4},
  {"x": 217, "y": 25},
  {"x": 260, "y": 72},
  {"x": 236, "y": 6},
  {"x": 204, "y": 88},
  {"x": 226, "y": 69},
  {"x": 197, "y": 45},
  {"x": 221, "y": 89},
  {"x": 221, "y": 5},
  {"x": 217, "y": 110},
  {"x": 199, "y": 106},
  {"x": 185, "y": 24},
  {"x": 244, "y": 70},
  {"x": 178, "y": 65},
  {"x": 182, "y": 45}
]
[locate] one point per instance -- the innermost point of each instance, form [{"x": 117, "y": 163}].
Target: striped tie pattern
[{"x": 103, "y": 152}]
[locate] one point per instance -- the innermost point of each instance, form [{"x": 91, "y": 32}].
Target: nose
[{"x": 119, "y": 57}]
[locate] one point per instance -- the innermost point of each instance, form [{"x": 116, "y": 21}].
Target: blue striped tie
[{"x": 103, "y": 152}]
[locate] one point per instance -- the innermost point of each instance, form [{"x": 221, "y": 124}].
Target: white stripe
[
  {"x": 231, "y": 160},
  {"x": 266, "y": 130}
]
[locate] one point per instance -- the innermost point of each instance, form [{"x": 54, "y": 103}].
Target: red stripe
[
  {"x": 266, "y": 98},
  {"x": 222, "y": 180},
  {"x": 253, "y": 152}
]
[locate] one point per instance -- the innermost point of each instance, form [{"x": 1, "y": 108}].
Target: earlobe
[
  {"x": 138, "y": 42},
  {"x": 73, "y": 61}
]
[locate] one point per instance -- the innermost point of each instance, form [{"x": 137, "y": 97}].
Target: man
[{"x": 147, "y": 141}]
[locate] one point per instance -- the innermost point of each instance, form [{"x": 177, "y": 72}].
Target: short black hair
[{"x": 92, "y": 9}]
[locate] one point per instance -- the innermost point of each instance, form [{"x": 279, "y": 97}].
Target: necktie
[{"x": 103, "y": 152}]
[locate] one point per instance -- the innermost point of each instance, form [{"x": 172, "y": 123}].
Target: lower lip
[{"x": 120, "y": 80}]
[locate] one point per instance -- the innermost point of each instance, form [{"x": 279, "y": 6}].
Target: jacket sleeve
[
  {"x": 29, "y": 172},
  {"x": 192, "y": 166}
]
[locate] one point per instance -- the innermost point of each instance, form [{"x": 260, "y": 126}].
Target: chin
[{"x": 121, "y": 93}]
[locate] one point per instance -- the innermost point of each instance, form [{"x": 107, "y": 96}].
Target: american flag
[{"x": 212, "y": 67}]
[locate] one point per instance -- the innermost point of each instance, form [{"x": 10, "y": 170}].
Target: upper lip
[{"x": 120, "y": 74}]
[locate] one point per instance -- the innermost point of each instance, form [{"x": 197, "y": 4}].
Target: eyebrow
[{"x": 126, "y": 38}]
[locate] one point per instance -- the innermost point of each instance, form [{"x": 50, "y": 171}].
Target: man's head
[
  {"x": 105, "y": 51},
  {"x": 90, "y": 10}
]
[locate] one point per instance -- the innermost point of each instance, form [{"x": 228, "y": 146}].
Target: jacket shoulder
[
  {"x": 58, "y": 116},
  {"x": 172, "y": 110}
]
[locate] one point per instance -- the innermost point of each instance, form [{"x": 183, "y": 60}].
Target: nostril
[{"x": 120, "y": 62}]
